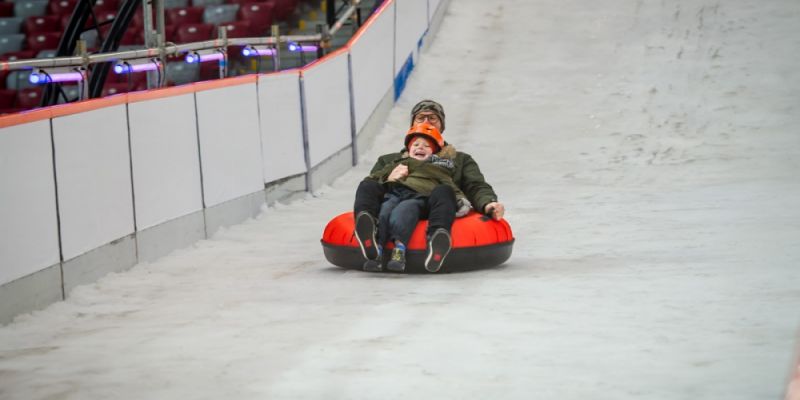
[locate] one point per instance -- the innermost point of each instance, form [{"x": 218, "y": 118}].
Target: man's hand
[
  {"x": 399, "y": 172},
  {"x": 495, "y": 210}
]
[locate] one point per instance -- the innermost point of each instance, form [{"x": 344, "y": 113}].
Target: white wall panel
[
  {"x": 166, "y": 164},
  {"x": 29, "y": 233},
  {"x": 230, "y": 143},
  {"x": 281, "y": 125},
  {"x": 432, "y": 6},
  {"x": 327, "y": 100},
  {"x": 412, "y": 22},
  {"x": 371, "y": 58},
  {"x": 94, "y": 179}
]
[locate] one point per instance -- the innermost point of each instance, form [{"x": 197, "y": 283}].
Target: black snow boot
[
  {"x": 438, "y": 247},
  {"x": 366, "y": 230},
  {"x": 398, "y": 261}
]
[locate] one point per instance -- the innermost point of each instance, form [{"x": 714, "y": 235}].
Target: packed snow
[{"x": 648, "y": 155}]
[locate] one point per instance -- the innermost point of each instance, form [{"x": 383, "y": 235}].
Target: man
[{"x": 441, "y": 203}]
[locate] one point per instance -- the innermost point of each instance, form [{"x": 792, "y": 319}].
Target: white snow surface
[{"x": 647, "y": 152}]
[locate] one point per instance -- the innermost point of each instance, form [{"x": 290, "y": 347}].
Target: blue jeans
[{"x": 399, "y": 215}]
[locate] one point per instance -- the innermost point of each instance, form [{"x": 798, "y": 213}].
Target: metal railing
[{"x": 159, "y": 53}]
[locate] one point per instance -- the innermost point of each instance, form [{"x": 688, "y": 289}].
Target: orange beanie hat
[{"x": 426, "y": 131}]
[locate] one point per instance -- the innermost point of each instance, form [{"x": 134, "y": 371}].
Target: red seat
[
  {"x": 284, "y": 9},
  {"x": 184, "y": 15},
  {"x": 194, "y": 33},
  {"x": 61, "y": 7},
  {"x": 43, "y": 41},
  {"x": 29, "y": 98},
  {"x": 106, "y": 5},
  {"x": 44, "y": 23},
  {"x": 111, "y": 89},
  {"x": 7, "y": 98},
  {"x": 259, "y": 14},
  {"x": 238, "y": 29},
  {"x": 104, "y": 16},
  {"x": 209, "y": 71},
  {"x": 6, "y": 9},
  {"x": 132, "y": 37}
]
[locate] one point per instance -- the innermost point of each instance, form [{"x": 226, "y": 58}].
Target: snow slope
[{"x": 647, "y": 152}]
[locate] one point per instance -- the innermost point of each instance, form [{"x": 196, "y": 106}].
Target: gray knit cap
[{"x": 431, "y": 106}]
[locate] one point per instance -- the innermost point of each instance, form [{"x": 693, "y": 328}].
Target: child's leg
[
  {"x": 384, "y": 227},
  {"x": 404, "y": 219}
]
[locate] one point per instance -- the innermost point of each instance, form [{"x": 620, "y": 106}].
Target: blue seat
[
  {"x": 11, "y": 42},
  {"x": 220, "y": 14},
  {"x": 30, "y": 8},
  {"x": 10, "y": 25},
  {"x": 179, "y": 72}
]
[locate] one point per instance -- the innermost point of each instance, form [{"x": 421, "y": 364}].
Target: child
[{"x": 430, "y": 163}]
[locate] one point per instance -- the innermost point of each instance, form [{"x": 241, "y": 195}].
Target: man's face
[
  {"x": 431, "y": 117},
  {"x": 420, "y": 149}
]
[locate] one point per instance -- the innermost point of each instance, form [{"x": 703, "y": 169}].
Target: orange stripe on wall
[{"x": 369, "y": 22}]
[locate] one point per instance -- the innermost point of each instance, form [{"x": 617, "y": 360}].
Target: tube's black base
[{"x": 459, "y": 259}]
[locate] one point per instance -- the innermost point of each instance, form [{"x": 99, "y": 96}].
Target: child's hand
[
  {"x": 462, "y": 207},
  {"x": 399, "y": 172}
]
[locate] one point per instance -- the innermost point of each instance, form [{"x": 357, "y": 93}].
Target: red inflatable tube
[{"x": 478, "y": 242}]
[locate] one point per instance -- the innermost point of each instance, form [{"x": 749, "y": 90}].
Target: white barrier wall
[
  {"x": 281, "y": 125},
  {"x": 128, "y": 176},
  {"x": 371, "y": 56},
  {"x": 327, "y": 102},
  {"x": 230, "y": 142},
  {"x": 94, "y": 179},
  {"x": 433, "y": 5},
  {"x": 29, "y": 232},
  {"x": 164, "y": 154},
  {"x": 411, "y": 24}
]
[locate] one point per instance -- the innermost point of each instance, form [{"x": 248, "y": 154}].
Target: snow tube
[{"x": 478, "y": 242}]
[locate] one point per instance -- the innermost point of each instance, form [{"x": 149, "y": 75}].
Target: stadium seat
[
  {"x": 50, "y": 53},
  {"x": 238, "y": 29},
  {"x": 206, "y": 3},
  {"x": 42, "y": 23},
  {"x": 106, "y": 6},
  {"x": 18, "y": 80},
  {"x": 132, "y": 37},
  {"x": 194, "y": 33},
  {"x": 11, "y": 42},
  {"x": 29, "y": 98},
  {"x": 61, "y": 7},
  {"x": 220, "y": 14},
  {"x": 175, "y": 4},
  {"x": 284, "y": 9},
  {"x": 18, "y": 55},
  {"x": 8, "y": 98},
  {"x": 179, "y": 73},
  {"x": 209, "y": 71},
  {"x": 43, "y": 41},
  {"x": 115, "y": 88},
  {"x": 10, "y": 25},
  {"x": 71, "y": 91},
  {"x": 182, "y": 16},
  {"x": 260, "y": 16},
  {"x": 6, "y": 9},
  {"x": 30, "y": 8}
]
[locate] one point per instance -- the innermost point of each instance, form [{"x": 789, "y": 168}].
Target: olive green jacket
[{"x": 466, "y": 176}]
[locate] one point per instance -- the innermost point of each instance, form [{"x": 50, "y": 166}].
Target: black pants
[{"x": 440, "y": 210}]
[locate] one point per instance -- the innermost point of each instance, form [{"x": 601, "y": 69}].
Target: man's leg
[
  {"x": 367, "y": 205},
  {"x": 369, "y": 197},
  {"x": 442, "y": 209},
  {"x": 442, "y": 203}
]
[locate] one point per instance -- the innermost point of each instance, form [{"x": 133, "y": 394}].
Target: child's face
[{"x": 420, "y": 149}]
